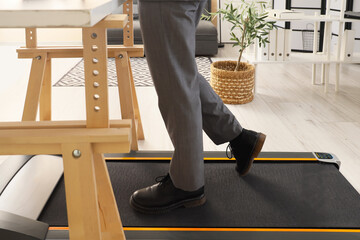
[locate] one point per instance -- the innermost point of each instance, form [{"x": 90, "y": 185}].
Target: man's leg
[
  {"x": 221, "y": 126},
  {"x": 186, "y": 100},
  {"x": 218, "y": 122},
  {"x": 168, "y": 30}
]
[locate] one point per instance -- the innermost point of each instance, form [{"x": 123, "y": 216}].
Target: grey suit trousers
[{"x": 186, "y": 101}]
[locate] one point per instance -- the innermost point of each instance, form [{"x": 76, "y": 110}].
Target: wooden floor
[{"x": 296, "y": 115}]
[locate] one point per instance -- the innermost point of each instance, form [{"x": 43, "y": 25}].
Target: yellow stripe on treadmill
[
  {"x": 229, "y": 229},
  {"x": 285, "y": 159},
  {"x": 241, "y": 229},
  {"x": 137, "y": 158},
  {"x": 208, "y": 158}
]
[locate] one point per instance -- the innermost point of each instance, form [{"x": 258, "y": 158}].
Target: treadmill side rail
[{"x": 15, "y": 227}]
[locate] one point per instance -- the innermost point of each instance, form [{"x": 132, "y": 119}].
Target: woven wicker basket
[{"x": 233, "y": 87}]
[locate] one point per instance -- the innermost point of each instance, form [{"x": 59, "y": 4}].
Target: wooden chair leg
[
  {"x": 111, "y": 226},
  {"x": 45, "y": 97},
  {"x": 140, "y": 131},
  {"x": 34, "y": 88},
  {"x": 81, "y": 193},
  {"x": 125, "y": 93}
]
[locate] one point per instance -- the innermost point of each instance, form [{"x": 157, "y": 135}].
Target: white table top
[{"x": 54, "y": 13}]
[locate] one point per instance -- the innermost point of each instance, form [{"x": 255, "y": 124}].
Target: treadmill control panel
[
  {"x": 320, "y": 155},
  {"x": 327, "y": 158}
]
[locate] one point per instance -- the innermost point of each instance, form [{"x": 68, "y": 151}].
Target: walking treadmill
[{"x": 285, "y": 196}]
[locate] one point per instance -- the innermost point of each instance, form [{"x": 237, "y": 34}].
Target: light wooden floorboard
[{"x": 295, "y": 115}]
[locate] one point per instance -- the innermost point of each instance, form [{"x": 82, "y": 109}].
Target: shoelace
[
  {"x": 161, "y": 179},
  {"x": 229, "y": 151}
]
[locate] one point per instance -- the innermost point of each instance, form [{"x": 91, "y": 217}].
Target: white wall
[{"x": 305, "y": 3}]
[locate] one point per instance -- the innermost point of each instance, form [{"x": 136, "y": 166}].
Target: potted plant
[{"x": 234, "y": 81}]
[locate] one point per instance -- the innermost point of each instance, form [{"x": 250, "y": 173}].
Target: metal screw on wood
[
  {"x": 120, "y": 56},
  {"x": 76, "y": 153},
  {"x": 95, "y": 72},
  {"x": 38, "y": 57}
]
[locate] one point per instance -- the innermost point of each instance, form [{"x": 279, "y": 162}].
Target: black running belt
[{"x": 272, "y": 195}]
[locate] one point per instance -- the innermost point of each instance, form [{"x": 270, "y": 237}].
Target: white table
[
  {"x": 54, "y": 13},
  {"x": 92, "y": 209}
]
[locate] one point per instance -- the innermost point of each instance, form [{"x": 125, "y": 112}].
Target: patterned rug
[{"x": 141, "y": 73}]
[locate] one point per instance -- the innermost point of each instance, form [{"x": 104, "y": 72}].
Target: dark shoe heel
[
  {"x": 195, "y": 203},
  {"x": 257, "y": 150},
  {"x": 259, "y": 145}
]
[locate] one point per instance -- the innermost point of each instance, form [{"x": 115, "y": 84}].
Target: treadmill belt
[{"x": 272, "y": 195}]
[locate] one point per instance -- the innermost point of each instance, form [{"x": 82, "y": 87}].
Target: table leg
[
  {"x": 313, "y": 74},
  {"x": 125, "y": 93},
  {"x": 338, "y": 52},
  {"x": 128, "y": 31},
  {"x": 326, "y": 52},
  {"x": 327, "y": 77},
  {"x": 337, "y": 77},
  {"x": 140, "y": 131},
  {"x": 96, "y": 81},
  {"x": 81, "y": 192},
  {"x": 31, "y": 37},
  {"x": 45, "y": 97},
  {"x": 34, "y": 88},
  {"x": 111, "y": 226},
  {"x": 323, "y": 70}
]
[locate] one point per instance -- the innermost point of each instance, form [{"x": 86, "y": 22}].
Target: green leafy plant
[{"x": 248, "y": 24}]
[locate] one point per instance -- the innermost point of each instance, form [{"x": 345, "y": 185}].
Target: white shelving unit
[
  {"x": 315, "y": 18},
  {"x": 318, "y": 58},
  {"x": 326, "y": 57}
]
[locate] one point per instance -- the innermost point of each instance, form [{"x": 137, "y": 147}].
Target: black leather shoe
[
  {"x": 245, "y": 148},
  {"x": 164, "y": 196}
]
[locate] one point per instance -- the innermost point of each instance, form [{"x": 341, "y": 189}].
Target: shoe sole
[
  {"x": 258, "y": 146},
  {"x": 188, "y": 203}
]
